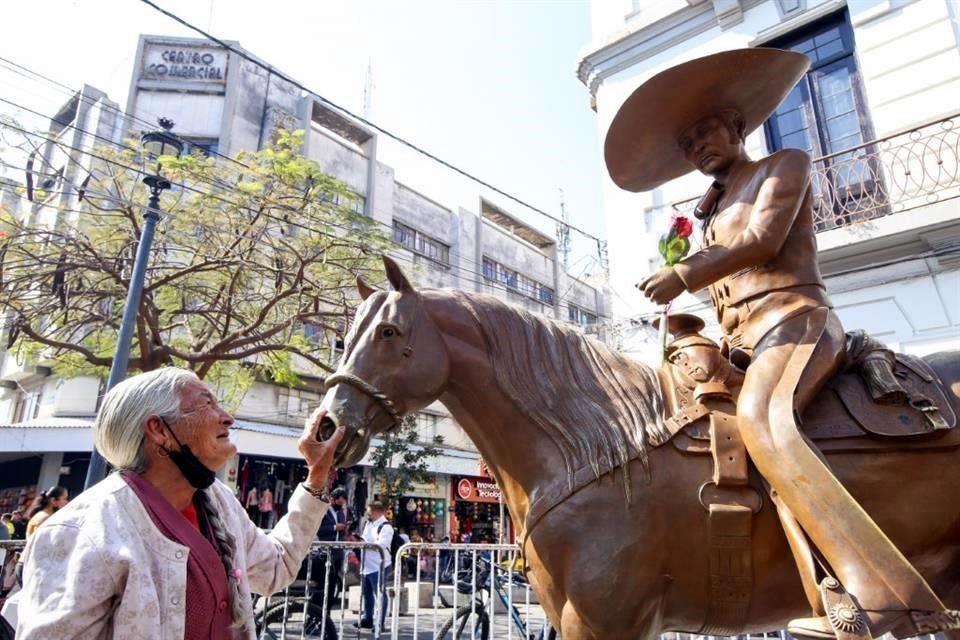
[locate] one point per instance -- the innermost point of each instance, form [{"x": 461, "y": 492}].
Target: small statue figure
[{"x": 759, "y": 261}]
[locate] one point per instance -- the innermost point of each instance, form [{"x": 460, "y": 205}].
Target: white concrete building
[
  {"x": 879, "y": 111},
  {"x": 224, "y": 103}
]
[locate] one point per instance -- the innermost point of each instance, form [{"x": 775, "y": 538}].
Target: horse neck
[{"x": 519, "y": 454}]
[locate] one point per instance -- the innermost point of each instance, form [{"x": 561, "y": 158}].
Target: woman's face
[
  {"x": 61, "y": 502},
  {"x": 204, "y": 426}
]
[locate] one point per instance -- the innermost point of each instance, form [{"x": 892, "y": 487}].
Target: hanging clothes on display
[
  {"x": 252, "y": 504},
  {"x": 266, "y": 508}
]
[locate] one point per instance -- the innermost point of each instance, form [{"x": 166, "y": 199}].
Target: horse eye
[{"x": 388, "y": 332}]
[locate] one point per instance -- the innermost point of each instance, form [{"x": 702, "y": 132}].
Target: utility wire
[
  {"x": 494, "y": 284},
  {"x": 389, "y": 134},
  {"x": 211, "y": 183}
]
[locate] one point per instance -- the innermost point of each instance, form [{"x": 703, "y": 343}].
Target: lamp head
[{"x": 161, "y": 143}]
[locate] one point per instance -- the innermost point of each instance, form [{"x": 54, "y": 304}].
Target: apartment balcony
[{"x": 905, "y": 171}]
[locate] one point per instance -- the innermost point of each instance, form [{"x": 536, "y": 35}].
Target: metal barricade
[
  {"x": 10, "y": 551},
  {"x": 455, "y": 591},
  {"x": 318, "y": 606}
]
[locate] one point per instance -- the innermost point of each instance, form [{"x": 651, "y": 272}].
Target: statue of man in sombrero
[{"x": 759, "y": 261}]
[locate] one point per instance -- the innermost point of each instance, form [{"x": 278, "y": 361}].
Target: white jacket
[{"x": 99, "y": 569}]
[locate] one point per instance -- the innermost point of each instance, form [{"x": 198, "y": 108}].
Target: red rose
[{"x": 682, "y": 226}]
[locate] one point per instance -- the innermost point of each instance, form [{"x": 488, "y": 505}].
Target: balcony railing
[{"x": 906, "y": 170}]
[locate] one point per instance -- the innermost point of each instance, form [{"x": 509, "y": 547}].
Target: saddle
[{"x": 881, "y": 401}]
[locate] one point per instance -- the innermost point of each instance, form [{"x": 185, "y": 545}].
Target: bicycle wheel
[
  {"x": 290, "y": 622},
  {"x": 467, "y": 620}
]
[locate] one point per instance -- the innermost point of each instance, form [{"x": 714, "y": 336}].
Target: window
[
  {"x": 427, "y": 425},
  {"x": 580, "y": 316},
  {"x": 517, "y": 281},
  {"x": 204, "y": 146},
  {"x": 355, "y": 202},
  {"x": 28, "y": 405},
  {"x": 297, "y": 404},
  {"x": 826, "y": 112},
  {"x": 421, "y": 244}
]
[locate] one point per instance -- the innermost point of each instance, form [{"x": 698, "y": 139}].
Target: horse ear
[
  {"x": 364, "y": 289},
  {"x": 397, "y": 280}
]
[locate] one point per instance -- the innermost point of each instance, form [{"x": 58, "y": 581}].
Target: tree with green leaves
[
  {"x": 252, "y": 271},
  {"x": 402, "y": 459}
]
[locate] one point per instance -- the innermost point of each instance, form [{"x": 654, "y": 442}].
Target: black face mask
[{"x": 196, "y": 473}]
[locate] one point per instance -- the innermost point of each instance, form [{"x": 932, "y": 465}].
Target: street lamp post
[{"x": 155, "y": 144}]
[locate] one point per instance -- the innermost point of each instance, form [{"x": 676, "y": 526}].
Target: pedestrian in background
[
  {"x": 46, "y": 504},
  {"x": 379, "y": 531},
  {"x": 19, "y": 524}
]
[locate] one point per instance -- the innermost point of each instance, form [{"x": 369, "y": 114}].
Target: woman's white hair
[{"x": 119, "y": 428}]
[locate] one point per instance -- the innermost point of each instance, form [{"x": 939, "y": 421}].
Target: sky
[{"x": 489, "y": 86}]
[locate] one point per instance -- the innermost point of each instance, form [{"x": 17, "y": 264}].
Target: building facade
[
  {"x": 223, "y": 103},
  {"x": 878, "y": 113}
]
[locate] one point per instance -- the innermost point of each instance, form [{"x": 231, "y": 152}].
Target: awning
[{"x": 41, "y": 435}]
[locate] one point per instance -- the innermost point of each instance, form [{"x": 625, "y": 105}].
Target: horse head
[{"x": 394, "y": 363}]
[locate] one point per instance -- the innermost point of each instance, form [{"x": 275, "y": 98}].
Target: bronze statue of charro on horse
[{"x": 684, "y": 533}]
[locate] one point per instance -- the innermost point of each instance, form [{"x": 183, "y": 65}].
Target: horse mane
[{"x": 592, "y": 401}]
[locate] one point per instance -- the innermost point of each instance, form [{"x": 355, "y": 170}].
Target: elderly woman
[{"x": 160, "y": 549}]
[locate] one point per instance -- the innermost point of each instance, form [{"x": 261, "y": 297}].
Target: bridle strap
[{"x": 367, "y": 388}]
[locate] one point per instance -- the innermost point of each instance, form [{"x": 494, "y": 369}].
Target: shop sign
[
  {"x": 477, "y": 490},
  {"x": 184, "y": 63}
]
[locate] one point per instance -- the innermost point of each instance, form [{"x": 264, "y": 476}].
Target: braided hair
[{"x": 228, "y": 553}]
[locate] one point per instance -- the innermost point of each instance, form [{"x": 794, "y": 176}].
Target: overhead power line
[
  {"x": 372, "y": 125},
  {"x": 465, "y": 274},
  {"x": 67, "y": 90}
]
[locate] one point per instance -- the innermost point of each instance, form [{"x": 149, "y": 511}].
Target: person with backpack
[{"x": 378, "y": 530}]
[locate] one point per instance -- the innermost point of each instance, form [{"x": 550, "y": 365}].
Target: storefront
[
  {"x": 263, "y": 485},
  {"x": 476, "y": 516},
  {"x": 422, "y": 508}
]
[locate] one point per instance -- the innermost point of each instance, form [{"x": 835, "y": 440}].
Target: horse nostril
[{"x": 326, "y": 429}]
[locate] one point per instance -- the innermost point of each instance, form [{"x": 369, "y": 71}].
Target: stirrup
[
  {"x": 843, "y": 614},
  {"x": 844, "y": 619}
]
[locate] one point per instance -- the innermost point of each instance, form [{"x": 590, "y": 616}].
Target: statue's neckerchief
[{"x": 709, "y": 202}]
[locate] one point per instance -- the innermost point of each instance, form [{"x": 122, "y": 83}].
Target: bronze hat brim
[{"x": 641, "y": 149}]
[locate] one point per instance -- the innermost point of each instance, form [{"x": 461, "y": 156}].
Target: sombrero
[
  {"x": 681, "y": 324},
  {"x": 641, "y": 149}
]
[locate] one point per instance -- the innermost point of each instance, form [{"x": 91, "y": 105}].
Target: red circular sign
[{"x": 465, "y": 489}]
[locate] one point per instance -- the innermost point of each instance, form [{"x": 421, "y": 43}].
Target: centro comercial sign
[{"x": 184, "y": 63}]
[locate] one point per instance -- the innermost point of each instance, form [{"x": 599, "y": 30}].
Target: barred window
[
  {"x": 520, "y": 283},
  {"x": 420, "y": 243},
  {"x": 580, "y": 316}
]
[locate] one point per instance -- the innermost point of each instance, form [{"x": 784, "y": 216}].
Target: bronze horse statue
[{"x": 615, "y": 536}]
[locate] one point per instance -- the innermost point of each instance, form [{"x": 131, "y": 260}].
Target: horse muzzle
[{"x": 355, "y": 443}]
